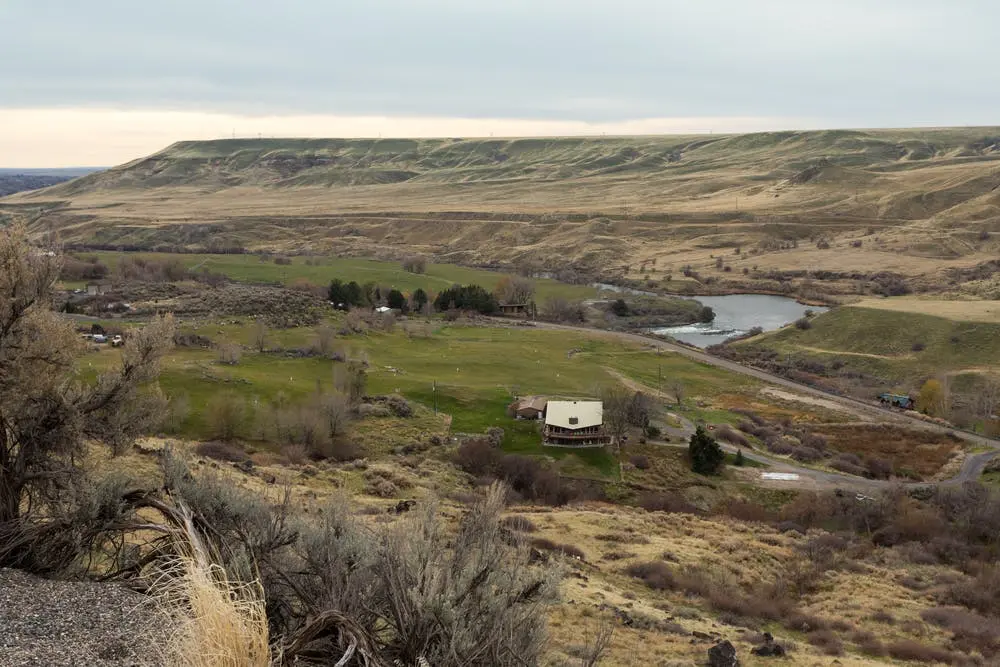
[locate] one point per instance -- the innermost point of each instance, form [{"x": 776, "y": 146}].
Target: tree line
[{"x": 471, "y": 297}]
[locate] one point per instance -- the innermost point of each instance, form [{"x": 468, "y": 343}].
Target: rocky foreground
[{"x": 63, "y": 623}]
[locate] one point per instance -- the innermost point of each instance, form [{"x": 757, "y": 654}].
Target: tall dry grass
[{"x": 217, "y": 622}]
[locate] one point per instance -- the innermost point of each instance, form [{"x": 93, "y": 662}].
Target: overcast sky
[{"x": 99, "y": 82}]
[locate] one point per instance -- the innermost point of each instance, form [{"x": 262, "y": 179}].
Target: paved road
[{"x": 971, "y": 469}]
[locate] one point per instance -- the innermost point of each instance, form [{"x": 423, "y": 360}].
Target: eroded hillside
[{"x": 907, "y": 201}]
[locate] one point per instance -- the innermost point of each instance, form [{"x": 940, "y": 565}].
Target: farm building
[
  {"x": 575, "y": 424},
  {"x": 529, "y": 407},
  {"x": 94, "y": 289}
]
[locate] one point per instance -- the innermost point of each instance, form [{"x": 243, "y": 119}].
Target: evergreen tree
[
  {"x": 705, "y": 454},
  {"x": 353, "y": 294},
  {"x": 395, "y": 300},
  {"x": 419, "y": 298},
  {"x": 338, "y": 295}
]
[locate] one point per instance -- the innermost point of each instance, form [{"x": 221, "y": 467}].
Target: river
[{"x": 736, "y": 314}]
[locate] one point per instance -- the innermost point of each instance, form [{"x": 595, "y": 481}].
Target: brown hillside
[{"x": 597, "y": 202}]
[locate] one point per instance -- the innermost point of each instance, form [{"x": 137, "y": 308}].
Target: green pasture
[
  {"x": 321, "y": 270},
  {"x": 470, "y": 373}
]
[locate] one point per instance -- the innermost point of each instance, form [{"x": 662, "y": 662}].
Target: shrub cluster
[{"x": 530, "y": 478}]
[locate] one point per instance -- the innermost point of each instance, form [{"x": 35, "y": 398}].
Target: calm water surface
[{"x": 736, "y": 314}]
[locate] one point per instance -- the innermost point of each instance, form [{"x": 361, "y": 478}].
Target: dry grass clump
[
  {"x": 519, "y": 523},
  {"x": 218, "y": 622}
]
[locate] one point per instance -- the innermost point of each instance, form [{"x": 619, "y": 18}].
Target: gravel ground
[{"x": 69, "y": 623}]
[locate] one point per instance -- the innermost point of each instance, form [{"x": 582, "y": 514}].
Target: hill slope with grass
[
  {"x": 600, "y": 202},
  {"x": 867, "y": 350}
]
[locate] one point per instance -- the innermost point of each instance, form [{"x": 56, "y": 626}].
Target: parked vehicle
[
  {"x": 900, "y": 401},
  {"x": 117, "y": 341},
  {"x": 100, "y": 338}
]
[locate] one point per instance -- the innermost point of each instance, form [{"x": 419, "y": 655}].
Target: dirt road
[{"x": 972, "y": 466}]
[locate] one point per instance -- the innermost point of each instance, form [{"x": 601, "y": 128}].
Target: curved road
[{"x": 972, "y": 466}]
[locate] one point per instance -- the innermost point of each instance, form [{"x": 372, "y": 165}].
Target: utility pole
[
  {"x": 434, "y": 389},
  {"x": 659, "y": 378}
]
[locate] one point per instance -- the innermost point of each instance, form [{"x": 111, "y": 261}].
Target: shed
[{"x": 530, "y": 407}]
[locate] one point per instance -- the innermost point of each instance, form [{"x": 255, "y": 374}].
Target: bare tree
[
  {"x": 515, "y": 289},
  {"x": 325, "y": 337},
  {"x": 599, "y": 645},
  {"x": 229, "y": 353},
  {"x": 415, "y": 264},
  {"x": 46, "y": 415},
  {"x": 226, "y": 415},
  {"x": 335, "y": 411},
  {"x": 988, "y": 398},
  {"x": 351, "y": 379},
  {"x": 678, "y": 389},
  {"x": 617, "y": 402},
  {"x": 260, "y": 335},
  {"x": 558, "y": 309}
]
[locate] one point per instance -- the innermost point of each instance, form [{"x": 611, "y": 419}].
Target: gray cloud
[{"x": 851, "y": 62}]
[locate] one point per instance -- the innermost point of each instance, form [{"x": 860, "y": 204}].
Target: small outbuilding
[
  {"x": 530, "y": 407},
  {"x": 575, "y": 424}
]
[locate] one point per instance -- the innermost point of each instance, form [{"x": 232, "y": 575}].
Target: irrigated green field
[
  {"x": 321, "y": 270},
  {"x": 467, "y": 372}
]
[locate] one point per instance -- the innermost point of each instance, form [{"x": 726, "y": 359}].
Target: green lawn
[{"x": 321, "y": 270}]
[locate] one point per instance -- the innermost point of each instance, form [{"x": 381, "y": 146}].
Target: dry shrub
[
  {"x": 827, "y": 641},
  {"x": 882, "y": 616},
  {"x": 848, "y": 463},
  {"x": 519, "y": 523},
  {"x": 657, "y": 575},
  {"x": 981, "y": 593},
  {"x": 971, "y": 631},
  {"x": 229, "y": 353},
  {"x": 667, "y": 502},
  {"x": 566, "y": 549},
  {"x": 745, "y": 510},
  {"x": 908, "y": 649},
  {"x": 640, "y": 461},
  {"x": 727, "y": 433},
  {"x": 295, "y": 454},
  {"x": 869, "y": 644},
  {"x": 623, "y": 538},
  {"x": 618, "y": 555},
  {"x": 382, "y": 488},
  {"x": 530, "y": 478},
  {"x": 221, "y": 451}
]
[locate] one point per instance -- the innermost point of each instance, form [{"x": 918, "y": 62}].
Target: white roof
[
  {"x": 383, "y": 309},
  {"x": 574, "y": 414},
  {"x": 780, "y": 476}
]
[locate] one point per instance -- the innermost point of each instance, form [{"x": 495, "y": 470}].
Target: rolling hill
[{"x": 908, "y": 201}]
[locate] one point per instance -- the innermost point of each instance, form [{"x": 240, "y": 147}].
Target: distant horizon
[{"x": 36, "y": 165}]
